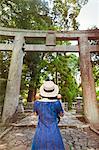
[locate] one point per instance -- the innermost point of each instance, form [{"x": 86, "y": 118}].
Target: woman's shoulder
[
  {"x": 36, "y": 102},
  {"x": 57, "y": 101}
]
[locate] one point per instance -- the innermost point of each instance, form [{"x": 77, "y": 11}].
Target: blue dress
[{"x": 47, "y": 135}]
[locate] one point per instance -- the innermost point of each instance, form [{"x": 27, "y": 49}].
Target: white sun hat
[{"x": 49, "y": 89}]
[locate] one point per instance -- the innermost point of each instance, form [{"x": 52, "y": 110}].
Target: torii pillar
[
  {"x": 88, "y": 86},
  {"x": 14, "y": 78}
]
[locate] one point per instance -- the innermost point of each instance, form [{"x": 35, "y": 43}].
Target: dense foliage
[
  {"x": 24, "y": 14},
  {"x": 4, "y": 68},
  {"x": 36, "y": 15}
]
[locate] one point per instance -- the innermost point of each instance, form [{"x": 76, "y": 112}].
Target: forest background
[{"x": 62, "y": 68}]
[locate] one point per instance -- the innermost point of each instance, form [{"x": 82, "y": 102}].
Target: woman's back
[{"x": 48, "y": 111}]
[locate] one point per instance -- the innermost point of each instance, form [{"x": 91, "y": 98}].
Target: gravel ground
[{"x": 20, "y": 138}]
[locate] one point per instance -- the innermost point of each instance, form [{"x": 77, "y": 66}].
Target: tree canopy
[
  {"x": 36, "y": 15},
  {"x": 25, "y": 14}
]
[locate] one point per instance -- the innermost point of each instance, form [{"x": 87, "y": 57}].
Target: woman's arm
[
  {"x": 35, "y": 109},
  {"x": 60, "y": 110},
  {"x": 35, "y": 113},
  {"x": 61, "y": 114}
]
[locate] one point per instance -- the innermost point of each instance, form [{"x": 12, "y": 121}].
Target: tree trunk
[{"x": 31, "y": 94}]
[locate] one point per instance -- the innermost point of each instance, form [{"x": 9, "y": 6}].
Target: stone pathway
[
  {"x": 68, "y": 120},
  {"x": 74, "y": 136}
]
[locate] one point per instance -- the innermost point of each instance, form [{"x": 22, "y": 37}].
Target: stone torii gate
[{"x": 51, "y": 37}]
